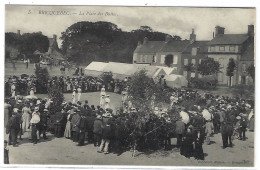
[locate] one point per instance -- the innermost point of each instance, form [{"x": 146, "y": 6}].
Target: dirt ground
[{"x": 62, "y": 151}]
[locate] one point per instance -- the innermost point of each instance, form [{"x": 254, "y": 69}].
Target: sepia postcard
[{"x": 129, "y": 86}]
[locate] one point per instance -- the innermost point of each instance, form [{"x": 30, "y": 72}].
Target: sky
[{"x": 171, "y": 20}]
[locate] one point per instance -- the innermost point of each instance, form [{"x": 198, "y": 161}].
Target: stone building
[
  {"x": 156, "y": 52},
  {"x": 240, "y": 47}
]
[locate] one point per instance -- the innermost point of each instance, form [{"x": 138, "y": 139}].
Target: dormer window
[
  {"x": 232, "y": 48},
  {"x": 221, "y": 48},
  {"x": 212, "y": 48}
]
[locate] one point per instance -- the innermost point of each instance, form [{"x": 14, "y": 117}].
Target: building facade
[
  {"x": 184, "y": 53},
  {"x": 156, "y": 52},
  {"x": 223, "y": 47}
]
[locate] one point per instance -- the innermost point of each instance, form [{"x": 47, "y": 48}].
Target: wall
[
  {"x": 223, "y": 60},
  {"x": 178, "y": 64},
  {"x": 143, "y": 57}
]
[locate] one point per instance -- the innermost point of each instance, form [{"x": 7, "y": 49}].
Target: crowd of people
[
  {"x": 22, "y": 85},
  {"x": 192, "y": 118}
]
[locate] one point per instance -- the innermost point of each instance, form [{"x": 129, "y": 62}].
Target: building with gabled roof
[
  {"x": 240, "y": 47},
  {"x": 155, "y": 52}
]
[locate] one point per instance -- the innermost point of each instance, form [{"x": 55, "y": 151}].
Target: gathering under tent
[{"x": 122, "y": 70}]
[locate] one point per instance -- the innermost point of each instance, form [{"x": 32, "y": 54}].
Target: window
[
  {"x": 193, "y": 61},
  {"x": 243, "y": 67},
  {"x": 194, "y": 51},
  {"x": 192, "y": 74},
  {"x": 162, "y": 59},
  {"x": 186, "y": 61},
  {"x": 199, "y": 61},
  {"x": 221, "y": 48},
  {"x": 175, "y": 59},
  {"x": 232, "y": 48},
  {"x": 212, "y": 48}
]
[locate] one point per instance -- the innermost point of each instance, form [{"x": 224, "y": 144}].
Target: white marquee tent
[
  {"x": 176, "y": 81},
  {"x": 95, "y": 68}
]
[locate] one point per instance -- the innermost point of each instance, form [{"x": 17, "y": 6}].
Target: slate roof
[
  {"x": 226, "y": 39},
  {"x": 149, "y": 47},
  {"x": 162, "y": 46},
  {"x": 202, "y": 45},
  {"x": 175, "y": 46}
]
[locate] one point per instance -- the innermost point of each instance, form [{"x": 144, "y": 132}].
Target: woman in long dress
[
  {"x": 74, "y": 96},
  {"x": 26, "y": 117},
  {"x": 79, "y": 93},
  {"x": 67, "y": 132}
]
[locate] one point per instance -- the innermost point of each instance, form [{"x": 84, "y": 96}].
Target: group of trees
[
  {"x": 26, "y": 44},
  {"x": 86, "y": 41}
]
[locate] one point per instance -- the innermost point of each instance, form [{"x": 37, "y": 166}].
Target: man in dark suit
[
  {"x": 75, "y": 129},
  {"x": 12, "y": 129},
  {"x": 82, "y": 129}
]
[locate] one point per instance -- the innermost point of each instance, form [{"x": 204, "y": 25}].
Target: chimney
[
  {"x": 145, "y": 40},
  {"x": 168, "y": 38},
  {"x": 18, "y": 32},
  {"x": 192, "y": 36},
  {"x": 219, "y": 30},
  {"x": 250, "y": 31},
  {"x": 213, "y": 35},
  {"x": 55, "y": 37},
  {"x": 139, "y": 43}
]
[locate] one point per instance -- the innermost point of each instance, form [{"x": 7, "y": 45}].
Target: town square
[{"x": 94, "y": 86}]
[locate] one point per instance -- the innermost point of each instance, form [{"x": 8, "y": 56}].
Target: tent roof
[
  {"x": 151, "y": 70},
  {"x": 167, "y": 70},
  {"x": 124, "y": 69},
  {"x": 97, "y": 66},
  {"x": 119, "y": 68}
]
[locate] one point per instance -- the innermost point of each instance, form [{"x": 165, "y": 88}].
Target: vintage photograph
[{"x": 139, "y": 86}]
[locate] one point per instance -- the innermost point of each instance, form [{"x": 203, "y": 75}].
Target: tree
[
  {"x": 34, "y": 41},
  {"x": 42, "y": 76},
  {"x": 141, "y": 89},
  {"x": 168, "y": 60},
  {"x": 230, "y": 69},
  {"x": 56, "y": 95},
  {"x": 208, "y": 66},
  {"x": 84, "y": 42},
  {"x": 189, "y": 68},
  {"x": 251, "y": 71}
]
